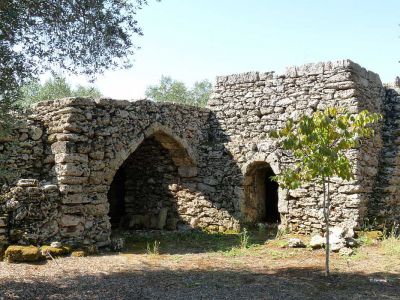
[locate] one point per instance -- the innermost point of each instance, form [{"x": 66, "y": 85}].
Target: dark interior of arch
[
  {"x": 265, "y": 194},
  {"x": 271, "y": 197},
  {"x": 143, "y": 194}
]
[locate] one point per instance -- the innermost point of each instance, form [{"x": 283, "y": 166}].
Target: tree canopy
[
  {"x": 80, "y": 37},
  {"x": 53, "y": 88},
  {"x": 169, "y": 90}
]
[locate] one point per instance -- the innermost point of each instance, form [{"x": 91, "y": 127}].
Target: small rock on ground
[{"x": 295, "y": 243}]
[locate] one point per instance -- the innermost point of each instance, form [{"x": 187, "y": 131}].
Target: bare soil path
[{"x": 261, "y": 271}]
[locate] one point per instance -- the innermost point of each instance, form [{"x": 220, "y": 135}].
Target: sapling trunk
[{"x": 326, "y": 217}]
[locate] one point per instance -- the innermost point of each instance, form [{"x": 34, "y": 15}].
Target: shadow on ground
[{"x": 301, "y": 283}]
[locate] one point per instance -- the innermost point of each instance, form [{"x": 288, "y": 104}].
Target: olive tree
[
  {"x": 170, "y": 90},
  {"x": 74, "y": 36},
  {"x": 79, "y": 37},
  {"x": 319, "y": 144},
  {"x": 53, "y": 88}
]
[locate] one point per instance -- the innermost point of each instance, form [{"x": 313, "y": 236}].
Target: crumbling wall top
[{"x": 299, "y": 71}]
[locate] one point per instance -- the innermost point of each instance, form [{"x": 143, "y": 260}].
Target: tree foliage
[
  {"x": 85, "y": 36},
  {"x": 169, "y": 90},
  {"x": 81, "y": 37},
  {"x": 319, "y": 144},
  {"x": 54, "y": 88}
]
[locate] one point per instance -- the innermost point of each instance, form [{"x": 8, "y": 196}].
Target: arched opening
[
  {"x": 261, "y": 194},
  {"x": 144, "y": 193}
]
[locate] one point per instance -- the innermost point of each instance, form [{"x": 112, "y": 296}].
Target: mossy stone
[
  {"x": 373, "y": 235},
  {"x": 231, "y": 232},
  {"x": 79, "y": 253},
  {"x": 16, "y": 253},
  {"x": 55, "y": 251}
]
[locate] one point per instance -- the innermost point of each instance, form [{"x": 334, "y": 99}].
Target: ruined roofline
[
  {"x": 102, "y": 102},
  {"x": 298, "y": 71}
]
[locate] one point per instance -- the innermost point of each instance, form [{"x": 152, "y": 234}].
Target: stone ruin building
[{"x": 81, "y": 167}]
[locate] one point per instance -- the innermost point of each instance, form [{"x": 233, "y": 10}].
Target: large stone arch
[
  {"x": 182, "y": 154},
  {"x": 146, "y": 191},
  {"x": 94, "y": 140}
]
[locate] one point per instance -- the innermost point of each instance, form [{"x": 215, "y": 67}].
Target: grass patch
[
  {"x": 358, "y": 254},
  {"x": 391, "y": 241},
  {"x": 244, "y": 239},
  {"x": 278, "y": 254},
  {"x": 195, "y": 241},
  {"x": 153, "y": 249},
  {"x": 278, "y": 243},
  {"x": 251, "y": 250},
  {"x": 391, "y": 246},
  {"x": 388, "y": 239}
]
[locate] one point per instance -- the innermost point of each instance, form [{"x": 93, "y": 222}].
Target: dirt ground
[{"x": 208, "y": 267}]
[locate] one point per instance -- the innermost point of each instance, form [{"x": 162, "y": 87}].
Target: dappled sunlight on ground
[{"x": 203, "y": 266}]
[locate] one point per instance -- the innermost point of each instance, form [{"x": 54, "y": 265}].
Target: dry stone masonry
[{"x": 82, "y": 167}]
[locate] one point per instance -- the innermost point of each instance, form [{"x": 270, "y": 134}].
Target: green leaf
[{"x": 319, "y": 143}]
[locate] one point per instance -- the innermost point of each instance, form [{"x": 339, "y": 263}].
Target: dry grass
[{"x": 201, "y": 266}]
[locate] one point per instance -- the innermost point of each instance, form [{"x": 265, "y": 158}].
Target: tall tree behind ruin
[
  {"x": 53, "y": 88},
  {"x": 170, "y": 90}
]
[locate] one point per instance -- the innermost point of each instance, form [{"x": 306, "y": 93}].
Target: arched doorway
[
  {"x": 261, "y": 195},
  {"x": 145, "y": 191}
]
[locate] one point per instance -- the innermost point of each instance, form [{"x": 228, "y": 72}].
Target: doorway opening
[
  {"x": 116, "y": 198},
  {"x": 271, "y": 214},
  {"x": 261, "y": 195}
]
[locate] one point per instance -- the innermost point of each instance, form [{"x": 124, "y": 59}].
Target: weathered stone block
[
  {"x": 28, "y": 183},
  {"x": 70, "y": 189},
  {"x": 72, "y": 169},
  {"x": 54, "y": 251},
  {"x": 75, "y": 199},
  {"x": 22, "y": 254},
  {"x": 50, "y": 188},
  {"x": 72, "y": 231},
  {"x": 98, "y": 155},
  {"x": 72, "y": 180},
  {"x": 97, "y": 209},
  {"x": 187, "y": 171},
  {"x": 70, "y": 158},
  {"x": 35, "y": 133},
  {"x": 70, "y": 220},
  {"x": 63, "y": 147}
]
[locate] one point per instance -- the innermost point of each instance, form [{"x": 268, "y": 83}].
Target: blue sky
[{"x": 191, "y": 40}]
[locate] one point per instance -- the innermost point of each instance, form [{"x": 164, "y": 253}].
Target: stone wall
[
  {"x": 247, "y": 106},
  {"x": 31, "y": 214},
  {"x": 90, "y": 140},
  {"x": 383, "y": 206},
  {"x": 23, "y": 153},
  {"x": 149, "y": 165}
]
